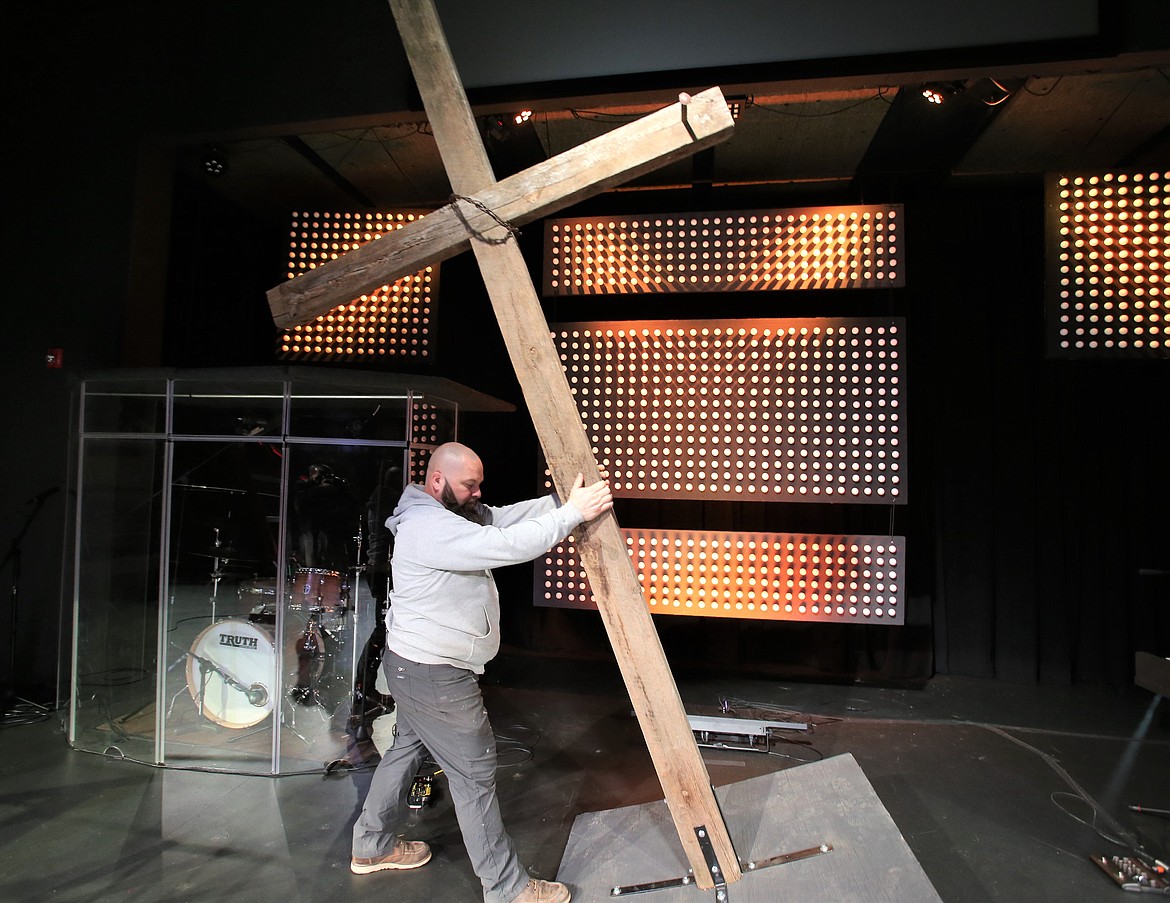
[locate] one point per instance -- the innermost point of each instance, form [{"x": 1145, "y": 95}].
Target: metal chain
[{"x": 512, "y": 230}]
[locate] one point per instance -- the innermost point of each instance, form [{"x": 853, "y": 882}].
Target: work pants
[{"x": 440, "y": 710}]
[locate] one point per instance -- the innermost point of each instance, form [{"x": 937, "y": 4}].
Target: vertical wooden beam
[{"x": 653, "y": 692}]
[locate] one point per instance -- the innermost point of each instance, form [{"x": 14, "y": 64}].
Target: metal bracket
[
  {"x": 624, "y": 890},
  {"x": 753, "y": 865},
  {"x": 756, "y": 864},
  {"x": 712, "y": 863}
]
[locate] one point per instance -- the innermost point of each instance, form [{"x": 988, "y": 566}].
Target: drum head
[
  {"x": 239, "y": 651},
  {"x": 315, "y": 589}
]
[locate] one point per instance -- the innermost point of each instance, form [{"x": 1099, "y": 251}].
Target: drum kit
[
  {"x": 235, "y": 664},
  {"x": 232, "y": 664}
]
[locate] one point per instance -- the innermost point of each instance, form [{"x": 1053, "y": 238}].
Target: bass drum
[{"x": 231, "y": 671}]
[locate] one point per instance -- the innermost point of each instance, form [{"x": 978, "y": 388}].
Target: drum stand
[{"x": 218, "y": 560}]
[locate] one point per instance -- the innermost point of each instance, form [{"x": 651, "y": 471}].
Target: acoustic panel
[
  {"x": 756, "y": 576},
  {"x": 391, "y": 323},
  {"x": 763, "y": 410},
  {"x": 1108, "y": 264},
  {"x": 428, "y": 426},
  {"x": 752, "y": 250}
]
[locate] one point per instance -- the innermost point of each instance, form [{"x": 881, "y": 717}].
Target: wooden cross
[
  {"x": 639, "y": 147},
  {"x": 584, "y": 171}
]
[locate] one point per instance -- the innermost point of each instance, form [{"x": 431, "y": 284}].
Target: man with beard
[{"x": 442, "y": 627}]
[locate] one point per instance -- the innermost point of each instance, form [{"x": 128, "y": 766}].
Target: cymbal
[
  {"x": 202, "y": 488},
  {"x": 223, "y": 552}
]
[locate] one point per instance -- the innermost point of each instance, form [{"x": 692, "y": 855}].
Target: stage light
[
  {"x": 215, "y": 162},
  {"x": 1107, "y": 247},
  {"x": 753, "y": 576},
  {"x": 737, "y": 103},
  {"x": 397, "y": 317},
  {"x": 811, "y": 410},
  {"x": 939, "y": 93},
  {"x": 522, "y": 117},
  {"x": 754, "y": 250}
]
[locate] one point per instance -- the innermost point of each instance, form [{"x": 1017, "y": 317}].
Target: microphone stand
[
  {"x": 256, "y": 694},
  {"x": 13, "y": 555}
]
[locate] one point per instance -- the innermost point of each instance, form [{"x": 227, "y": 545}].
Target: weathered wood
[
  {"x": 586, "y": 170},
  {"x": 685, "y": 782}
]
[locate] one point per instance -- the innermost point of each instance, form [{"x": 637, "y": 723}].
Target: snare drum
[
  {"x": 258, "y": 592},
  {"x": 258, "y": 597},
  {"x": 231, "y": 672}
]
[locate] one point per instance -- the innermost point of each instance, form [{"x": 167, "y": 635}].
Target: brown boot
[
  {"x": 408, "y": 854},
  {"x": 539, "y": 891}
]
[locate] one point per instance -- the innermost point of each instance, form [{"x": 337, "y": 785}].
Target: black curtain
[{"x": 1046, "y": 476}]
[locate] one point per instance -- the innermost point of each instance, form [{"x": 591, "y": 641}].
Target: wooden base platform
[{"x": 828, "y": 802}]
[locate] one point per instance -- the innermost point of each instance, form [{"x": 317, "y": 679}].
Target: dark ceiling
[{"x": 808, "y": 135}]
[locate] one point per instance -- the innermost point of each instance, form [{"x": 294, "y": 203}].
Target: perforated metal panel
[
  {"x": 392, "y": 322},
  {"x": 757, "y": 576},
  {"x": 428, "y": 429},
  {"x": 752, "y": 250},
  {"x": 766, "y": 410},
  {"x": 1108, "y": 257}
]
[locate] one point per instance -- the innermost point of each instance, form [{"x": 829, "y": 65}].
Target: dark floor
[{"x": 1002, "y": 792}]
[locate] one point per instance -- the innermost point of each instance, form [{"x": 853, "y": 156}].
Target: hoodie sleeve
[
  {"x": 455, "y": 544},
  {"x": 507, "y": 515}
]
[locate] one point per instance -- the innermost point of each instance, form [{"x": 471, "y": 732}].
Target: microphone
[
  {"x": 41, "y": 496},
  {"x": 257, "y": 695}
]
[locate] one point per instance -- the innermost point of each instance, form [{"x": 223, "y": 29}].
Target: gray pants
[{"x": 440, "y": 710}]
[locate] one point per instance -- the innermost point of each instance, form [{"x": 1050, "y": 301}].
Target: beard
[{"x": 471, "y": 510}]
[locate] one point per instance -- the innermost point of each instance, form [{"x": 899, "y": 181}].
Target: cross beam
[
  {"x": 590, "y": 169},
  {"x": 584, "y": 171},
  {"x": 686, "y": 785}
]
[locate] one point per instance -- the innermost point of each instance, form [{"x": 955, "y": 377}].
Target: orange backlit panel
[
  {"x": 752, "y": 250},
  {"x": 748, "y": 410},
  {"x": 1108, "y": 259},
  {"x": 427, "y": 431},
  {"x": 392, "y": 323},
  {"x": 757, "y": 576}
]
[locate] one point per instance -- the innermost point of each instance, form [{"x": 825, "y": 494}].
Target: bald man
[{"x": 442, "y": 627}]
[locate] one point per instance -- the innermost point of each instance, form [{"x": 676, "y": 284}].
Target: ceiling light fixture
[
  {"x": 215, "y": 162},
  {"x": 939, "y": 92}
]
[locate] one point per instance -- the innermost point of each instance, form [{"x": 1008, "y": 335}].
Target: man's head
[{"x": 454, "y": 475}]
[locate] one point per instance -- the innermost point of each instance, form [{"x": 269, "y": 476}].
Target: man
[{"x": 441, "y": 629}]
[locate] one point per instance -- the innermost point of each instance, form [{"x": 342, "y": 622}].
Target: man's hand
[{"x": 591, "y": 501}]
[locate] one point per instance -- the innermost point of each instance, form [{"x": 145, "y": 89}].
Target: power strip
[{"x": 1132, "y": 874}]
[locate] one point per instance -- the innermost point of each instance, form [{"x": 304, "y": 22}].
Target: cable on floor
[
  {"x": 516, "y": 745},
  {"x": 1123, "y": 838}
]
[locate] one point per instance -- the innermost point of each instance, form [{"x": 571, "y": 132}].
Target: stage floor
[{"x": 1001, "y": 792}]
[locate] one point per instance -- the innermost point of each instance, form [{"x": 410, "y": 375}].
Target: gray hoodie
[{"x": 444, "y": 607}]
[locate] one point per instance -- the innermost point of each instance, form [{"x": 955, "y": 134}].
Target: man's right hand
[{"x": 592, "y": 501}]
